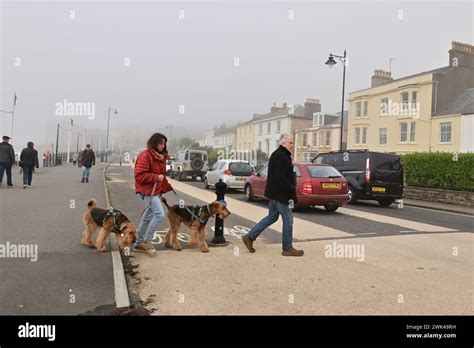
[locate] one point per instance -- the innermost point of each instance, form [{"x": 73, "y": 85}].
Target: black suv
[{"x": 370, "y": 175}]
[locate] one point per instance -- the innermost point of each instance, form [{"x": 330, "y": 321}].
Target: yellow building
[
  {"x": 245, "y": 139},
  {"x": 427, "y": 112}
]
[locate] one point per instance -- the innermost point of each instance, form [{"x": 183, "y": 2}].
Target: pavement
[
  {"x": 363, "y": 259},
  {"x": 439, "y": 206},
  {"x": 67, "y": 278}
]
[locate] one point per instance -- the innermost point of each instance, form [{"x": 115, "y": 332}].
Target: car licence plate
[
  {"x": 330, "y": 185},
  {"x": 378, "y": 189},
  {"x": 240, "y": 178}
]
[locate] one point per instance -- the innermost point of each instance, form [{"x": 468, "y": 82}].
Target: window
[
  {"x": 260, "y": 127},
  {"x": 269, "y": 127},
  {"x": 306, "y": 157},
  {"x": 264, "y": 171},
  {"x": 366, "y": 108},
  {"x": 305, "y": 139},
  {"x": 324, "y": 138},
  {"x": 382, "y": 136},
  {"x": 277, "y": 144},
  {"x": 267, "y": 141},
  {"x": 221, "y": 165},
  {"x": 260, "y": 145},
  {"x": 297, "y": 171},
  {"x": 445, "y": 132},
  {"x": 364, "y": 135},
  {"x": 358, "y": 109},
  {"x": 403, "y": 132},
  {"x": 278, "y": 126},
  {"x": 357, "y": 135},
  {"x": 412, "y": 131},
  {"x": 414, "y": 102},
  {"x": 300, "y": 139},
  {"x": 315, "y": 139},
  {"x": 384, "y": 107},
  {"x": 404, "y": 98},
  {"x": 323, "y": 172}
]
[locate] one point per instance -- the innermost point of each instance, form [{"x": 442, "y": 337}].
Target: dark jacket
[
  {"x": 281, "y": 185},
  {"x": 87, "y": 158},
  {"x": 29, "y": 157},
  {"x": 7, "y": 154}
]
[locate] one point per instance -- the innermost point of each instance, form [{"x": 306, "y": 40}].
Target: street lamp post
[
  {"x": 330, "y": 63},
  {"x": 108, "y": 124}
]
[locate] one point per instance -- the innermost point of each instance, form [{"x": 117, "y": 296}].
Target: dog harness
[
  {"x": 196, "y": 214},
  {"x": 114, "y": 214}
]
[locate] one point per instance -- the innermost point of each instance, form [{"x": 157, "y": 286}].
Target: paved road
[
  {"x": 416, "y": 261},
  {"x": 67, "y": 278}
]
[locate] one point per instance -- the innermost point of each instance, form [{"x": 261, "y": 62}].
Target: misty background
[{"x": 142, "y": 59}]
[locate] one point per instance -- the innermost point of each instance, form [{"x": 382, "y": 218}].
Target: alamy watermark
[
  {"x": 356, "y": 251},
  {"x": 66, "y": 108},
  {"x": 10, "y": 250}
]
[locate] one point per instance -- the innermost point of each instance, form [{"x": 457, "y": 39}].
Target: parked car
[
  {"x": 232, "y": 172},
  {"x": 191, "y": 163},
  {"x": 370, "y": 175},
  {"x": 316, "y": 184}
]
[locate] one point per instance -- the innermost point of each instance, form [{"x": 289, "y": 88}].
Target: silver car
[{"x": 232, "y": 172}]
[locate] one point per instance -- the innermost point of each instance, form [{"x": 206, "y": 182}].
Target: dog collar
[
  {"x": 209, "y": 210},
  {"x": 113, "y": 213}
]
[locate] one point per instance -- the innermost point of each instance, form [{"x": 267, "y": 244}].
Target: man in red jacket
[{"x": 150, "y": 184}]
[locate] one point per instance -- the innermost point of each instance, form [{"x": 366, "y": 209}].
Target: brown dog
[
  {"x": 195, "y": 218},
  {"x": 109, "y": 221}
]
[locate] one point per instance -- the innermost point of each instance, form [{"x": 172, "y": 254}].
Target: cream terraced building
[{"x": 426, "y": 112}]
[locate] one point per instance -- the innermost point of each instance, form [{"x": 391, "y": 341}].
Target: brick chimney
[
  {"x": 311, "y": 106},
  {"x": 381, "y": 77},
  {"x": 461, "y": 54}
]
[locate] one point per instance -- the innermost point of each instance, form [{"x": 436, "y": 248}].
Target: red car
[{"x": 317, "y": 184}]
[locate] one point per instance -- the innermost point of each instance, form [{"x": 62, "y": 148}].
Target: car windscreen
[
  {"x": 323, "y": 172},
  {"x": 241, "y": 168},
  {"x": 382, "y": 161}
]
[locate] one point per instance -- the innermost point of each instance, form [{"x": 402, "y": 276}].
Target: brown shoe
[
  {"x": 248, "y": 243},
  {"x": 292, "y": 252},
  {"x": 145, "y": 247}
]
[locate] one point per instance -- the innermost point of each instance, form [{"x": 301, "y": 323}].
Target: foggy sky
[{"x": 190, "y": 61}]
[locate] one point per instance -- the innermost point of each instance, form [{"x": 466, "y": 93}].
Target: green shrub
[{"x": 443, "y": 170}]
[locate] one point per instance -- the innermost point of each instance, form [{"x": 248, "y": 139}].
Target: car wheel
[
  {"x": 202, "y": 178},
  {"x": 194, "y": 177},
  {"x": 180, "y": 175},
  {"x": 206, "y": 185},
  {"x": 386, "y": 202},
  {"x": 331, "y": 207},
  {"x": 249, "y": 193},
  {"x": 352, "y": 195}
]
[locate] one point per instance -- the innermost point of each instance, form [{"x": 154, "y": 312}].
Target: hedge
[{"x": 442, "y": 170}]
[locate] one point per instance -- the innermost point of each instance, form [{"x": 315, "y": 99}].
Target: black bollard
[{"x": 218, "y": 239}]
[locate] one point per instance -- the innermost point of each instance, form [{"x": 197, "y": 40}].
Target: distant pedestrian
[
  {"x": 281, "y": 192},
  {"x": 7, "y": 158},
  {"x": 28, "y": 161},
  {"x": 86, "y": 160},
  {"x": 74, "y": 159}
]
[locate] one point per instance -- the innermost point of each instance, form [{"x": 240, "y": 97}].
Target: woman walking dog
[{"x": 150, "y": 184}]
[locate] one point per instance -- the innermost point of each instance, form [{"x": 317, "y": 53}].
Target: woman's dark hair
[{"x": 156, "y": 139}]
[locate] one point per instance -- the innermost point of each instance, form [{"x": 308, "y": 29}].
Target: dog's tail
[
  {"x": 92, "y": 203},
  {"x": 163, "y": 199}
]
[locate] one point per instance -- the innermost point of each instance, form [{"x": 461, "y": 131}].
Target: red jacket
[{"x": 147, "y": 168}]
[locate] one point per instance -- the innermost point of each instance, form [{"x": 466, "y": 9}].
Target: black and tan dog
[
  {"x": 195, "y": 218},
  {"x": 109, "y": 221}
]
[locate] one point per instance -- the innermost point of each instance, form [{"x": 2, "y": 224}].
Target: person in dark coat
[
  {"x": 28, "y": 161},
  {"x": 281, "y": 192},
  {"x": 7, "y": 158},
  {"x": 86, "y": 160}
]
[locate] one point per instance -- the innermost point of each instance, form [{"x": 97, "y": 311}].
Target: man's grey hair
[{"x": 284, "y": 138}]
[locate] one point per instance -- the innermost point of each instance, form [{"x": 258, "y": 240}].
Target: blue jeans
[
  {"x": 275, "y": 209},
  {"x": 151, "y": 218},
  {"x": 27, "y": 174},
  {"x": 85, "y": 172}
]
